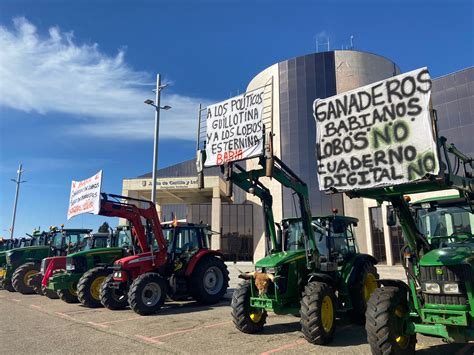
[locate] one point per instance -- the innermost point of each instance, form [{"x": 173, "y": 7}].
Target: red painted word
[{"x": 228, "y": 156}]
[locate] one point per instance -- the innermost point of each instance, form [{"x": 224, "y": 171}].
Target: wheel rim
[
  {"x": 28, "y": 276},
  {"x": 213, "y": 280},
  {"x": 72, "y": 290},
  {"x": 151, "y": 294},
  {"x": 255, "y": 315},
  {"x": 95, "y": 287},
  {"x": 370, "y": 284},
  {"x": 401, "y": 340},
  {"x": 327, "y": 314}
]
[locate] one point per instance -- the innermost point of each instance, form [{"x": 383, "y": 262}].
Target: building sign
[
  {"x": 234, "y": 129},
  {"x": 172, "y": 183},
  {"x": 376, "y": 135},
  {"x": 85, "y": 196}
]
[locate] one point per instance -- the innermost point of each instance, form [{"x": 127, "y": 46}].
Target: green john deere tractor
[
  {"x": 86, "y": 270},
  {"x": 23, "y": 263},
  {"x": 438, "y": 298}
]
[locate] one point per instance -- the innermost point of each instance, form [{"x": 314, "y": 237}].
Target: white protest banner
[
  {"x": 377, "y": 135},
  {"x": 85, "y": 196},
  {"x": 234, "y": 129}
]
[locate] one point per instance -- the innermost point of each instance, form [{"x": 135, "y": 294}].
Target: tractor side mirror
[
  {"x": 278, "y": 234},
  {"x": 391, "y": 217}
]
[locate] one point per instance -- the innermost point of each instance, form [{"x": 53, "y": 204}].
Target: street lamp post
[
  {"x": 157, "y": 107},
  {"x": 18, "y": 182}
]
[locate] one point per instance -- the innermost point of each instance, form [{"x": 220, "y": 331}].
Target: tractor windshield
[
  {"x": 124, "y": 238},
  {"x": 445, "y": 225},
  {"x": 293, "y": 237}
]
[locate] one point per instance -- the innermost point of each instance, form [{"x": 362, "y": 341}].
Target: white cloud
[{"x": 99, "y": 94}]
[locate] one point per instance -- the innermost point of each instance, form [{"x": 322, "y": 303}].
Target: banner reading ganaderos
[
  {"x": 234, "y": 129},
  {"x": 85, "y": 196},
  {"x": 379, "y": 134}
]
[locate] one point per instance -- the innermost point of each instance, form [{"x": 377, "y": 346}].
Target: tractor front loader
[{"x": 438, "y": 298}]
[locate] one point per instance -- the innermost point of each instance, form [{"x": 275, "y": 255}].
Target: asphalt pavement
[{"x": 32, "y": 324}]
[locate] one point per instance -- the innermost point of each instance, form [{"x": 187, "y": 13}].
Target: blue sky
[{"x": 74, "y": 74}]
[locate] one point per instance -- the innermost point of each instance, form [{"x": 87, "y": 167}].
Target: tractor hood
[
  {"x": 455, "y": 254},
  {"x": 134, "y": 259},
  {"x": 92, "y": 252},
  {"x": 35, "y": 248},
  {"x": 280, "y": 258}
]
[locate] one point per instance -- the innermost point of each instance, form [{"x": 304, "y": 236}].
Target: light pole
[
  {"x": 18, "y": 182},
  {"x": 157, "y": 107}
]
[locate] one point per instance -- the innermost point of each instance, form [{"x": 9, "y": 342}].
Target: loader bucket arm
[{"x": 119, "y": 208}]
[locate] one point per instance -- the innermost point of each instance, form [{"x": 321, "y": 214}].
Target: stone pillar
[{"x": 216, "y": 215}]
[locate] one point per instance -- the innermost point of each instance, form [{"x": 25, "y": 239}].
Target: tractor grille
[{"x": 441, "y": 274}]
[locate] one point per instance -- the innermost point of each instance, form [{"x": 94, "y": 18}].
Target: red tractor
[{"x": 175, "y": 261}]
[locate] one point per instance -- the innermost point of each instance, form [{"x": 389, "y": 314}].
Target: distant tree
[{"x": 104, "y": 228}]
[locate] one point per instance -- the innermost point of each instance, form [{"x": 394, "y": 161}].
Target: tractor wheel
[
  {"x": 246, "y": 319},
  {"x": 68, "y": 295},
  {"x": 7, "y": 285},
  {"x": 386, "y": 316},
  {"x": 318, "y": 313},
  {"x": 21, "y": 278},
  {"x": 35, "y": 282},
  {"x": 49, "y": 293},
  {"x": 147, "y": 293},
  {"x": 209, "y": 281},
  {"x": 112, "y": 298},
  {"x": 88, "y": 287},
  {"x": 360, "y": 291}
]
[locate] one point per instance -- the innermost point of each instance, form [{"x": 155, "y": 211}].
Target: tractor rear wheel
[
  {"x": 88, "y": 287},
  {"x": 147, "y": 293},
  {"x": 68, "y": 295},
  {"x": 246, "y": 319},
  {"x": 360, "y": 291},
  {"x": 318, "y": 313},
  {"x": 35, "y": 282},
  {"x": 209, "y": 280},
  {"x": 7, "y": 285},
  {"x": 386, "y": 321},
  {"x": 112, "y": 298},
  {"x": 21, "y": 278}
]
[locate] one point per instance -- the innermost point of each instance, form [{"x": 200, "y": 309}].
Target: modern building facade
[{"x": 293, "y": 85}]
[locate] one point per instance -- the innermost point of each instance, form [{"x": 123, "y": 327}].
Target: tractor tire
[
  {"x": 7, "y": 285},
  {"x": 384, "y": 324},
  {"x": 88, "y": 287},
  {"x": 68, "y": 295},
  {"x": 111, "y": 298},
  {"x": 49, "y": 293},
  {"x": 318, "y": 313},
  {"x": 21, "y": 278},
  {"x": 209, "y": 280},
  {"x": 246, "y": 319},
  {"x": 147, "y": 293},
  {"x": 360, "y": 291},
  {"x": 36, "y": 283}
]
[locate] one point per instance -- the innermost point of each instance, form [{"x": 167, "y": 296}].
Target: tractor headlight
[
  {"x": 117, "y": 274},
  {"x": 431, "y": 287},
  {"x": 451, "y": 288}
]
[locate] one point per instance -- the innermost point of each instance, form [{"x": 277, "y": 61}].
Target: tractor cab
[
  {"x": 184, "y": 240},
  {"x": 445, "y": 222},
  {"x": 334, "y": 234},
  {"x": 67, "y": 241}
]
